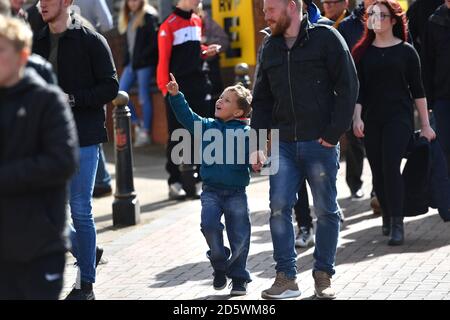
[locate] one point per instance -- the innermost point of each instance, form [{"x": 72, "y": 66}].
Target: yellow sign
[
  {"x": 404, "y": 4},
  {"x": 236, "y": 18}
]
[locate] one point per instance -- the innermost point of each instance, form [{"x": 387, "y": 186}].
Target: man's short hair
[
  {"x": 244, "y": 98},
  {"x": 17, "y": 32},
  {"x": 299, "y": 3},
  {"x": 5, "y": 7}
]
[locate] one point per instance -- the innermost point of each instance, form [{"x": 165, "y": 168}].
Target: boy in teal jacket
[{"x": 224, "y": 182}]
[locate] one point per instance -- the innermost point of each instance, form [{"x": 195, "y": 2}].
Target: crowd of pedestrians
[{"x": 319, "y": 77}]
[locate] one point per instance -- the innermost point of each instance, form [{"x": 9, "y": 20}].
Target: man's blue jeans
[
  {"x": 83, "y": 233},
  {"x": 233, "y": 205},
  {"x": 441, "y": 110},
  {"x": 143, "y": 77},
  {"x": 319, "y": 166}
]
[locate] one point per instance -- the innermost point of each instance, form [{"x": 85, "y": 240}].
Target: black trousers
[
  {"x": 200, "y": 106},
  {"x": 354, "y": 158},
  {"x": 386, "y": 145},
  {"x": 301, "y": 208},
  {"x": 41, "y": 279}
]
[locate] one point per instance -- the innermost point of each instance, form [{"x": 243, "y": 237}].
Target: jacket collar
[
  {"x": 45, "y": 33},
  {"x": 183, "y": 14},
  {"x": 305, "y": 27}
]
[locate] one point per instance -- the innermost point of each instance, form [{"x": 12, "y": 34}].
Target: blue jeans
[
  {"x": 441, "y": 110},
  {"x": 83, "y": 233},
  {"x": 144, "y": 77},
  {"x": 233, "y": 204},
  {"x": 319, "y": 166}
]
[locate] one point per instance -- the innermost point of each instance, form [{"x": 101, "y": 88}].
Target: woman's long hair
[
  {"x": 400, "y": 29},
  {"x": 124, "y": 15}
]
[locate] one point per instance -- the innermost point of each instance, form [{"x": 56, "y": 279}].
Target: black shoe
[
  {"x": 239, "y": 287},
  {"x": 98, "y": 255},
  {"x": 220, "y": 280},
  {"x": 85, "y": 293},
  {"x": 397, "y": 232},
  {"x": 358, "y": 194},
  {"x": 102, "y": 191},
  {"x": 386, "y": 227}
]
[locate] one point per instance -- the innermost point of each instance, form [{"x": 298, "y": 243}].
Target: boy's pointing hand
[{"x": 172, "y": 86}]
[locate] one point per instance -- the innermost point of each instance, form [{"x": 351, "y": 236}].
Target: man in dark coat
[{"x": 37, "y": 158}]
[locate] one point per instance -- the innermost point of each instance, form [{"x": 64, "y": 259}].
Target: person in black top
[
  {"x": 138, "y": 22},
  {"x": 38, "y": 155},
  {"x": 437, "y": 71},
  {"x": 418, "y": 14},
  {"x": 390, "y": 83},
  {"x": 352, "y": 29}
]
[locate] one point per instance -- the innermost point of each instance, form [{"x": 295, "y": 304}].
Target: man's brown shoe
[
  {"x": 282, "y": 288},
  {"x": 322, "y": 285}
]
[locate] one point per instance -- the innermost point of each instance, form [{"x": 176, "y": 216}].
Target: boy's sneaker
[
  {"x": 238, "y": 287},
  {"x": 220, "y": 280},
  {"x": 282, "y": 288},
  {"x": 305, "y": 237},
  {"x": 322, "y": 285}
]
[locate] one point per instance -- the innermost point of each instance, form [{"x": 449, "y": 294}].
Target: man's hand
[
  {"x": 257, "y": 160},
  {"x": 172, "y": 86},
  {"x": 325, "y": 144},
  {"x": 212, "y": 50}
]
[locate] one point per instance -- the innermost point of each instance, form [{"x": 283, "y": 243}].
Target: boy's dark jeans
[{"x": 233, "y": 205}]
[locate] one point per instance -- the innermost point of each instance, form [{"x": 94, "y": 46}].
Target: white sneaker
[
  {"x": 305, "y": 237},
  {"x": 142, "y": 138},
  {"x": 176, "y": 191}
]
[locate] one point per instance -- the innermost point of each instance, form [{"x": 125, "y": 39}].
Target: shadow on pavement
[{"x": 367, "y": 244}]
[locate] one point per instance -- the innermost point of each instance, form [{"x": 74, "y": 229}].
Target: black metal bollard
[
  {"x": 241, "y": 71},
  {"x": 126, "y": 210}
]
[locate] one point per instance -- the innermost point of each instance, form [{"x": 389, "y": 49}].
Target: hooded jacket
[
  {"x": 38, "y": 155},
  {"x": 235, "y": 175},
  {"x": 437, "y": 53}
]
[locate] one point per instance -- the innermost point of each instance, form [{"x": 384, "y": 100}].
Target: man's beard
[{"x": 279, "y": 27}]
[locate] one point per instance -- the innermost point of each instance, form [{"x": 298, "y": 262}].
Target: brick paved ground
[{"x": 164, "y": 256}]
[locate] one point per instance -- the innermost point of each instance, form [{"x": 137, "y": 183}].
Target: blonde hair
[
  {"x": 17, "y": 32},
  {"x": 244, "y": 98},
  {"x": 124, "y": 15}
]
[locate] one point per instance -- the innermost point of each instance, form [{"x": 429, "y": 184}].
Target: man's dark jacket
[
  {"x": 437, "y": 55},
  {"x": 308, "y": 92},
  {"x": 418, "y": 14},
  {"x": 425, "y": 179},
  {"x": 86, "y": 70},
  {"x": 38, "y": 155},
  {"x": 145, "y": 53}
]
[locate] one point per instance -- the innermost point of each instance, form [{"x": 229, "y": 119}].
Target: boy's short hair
[
  {"x": 244, "y": 98},
  {"x": 17, "y": 32}
]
